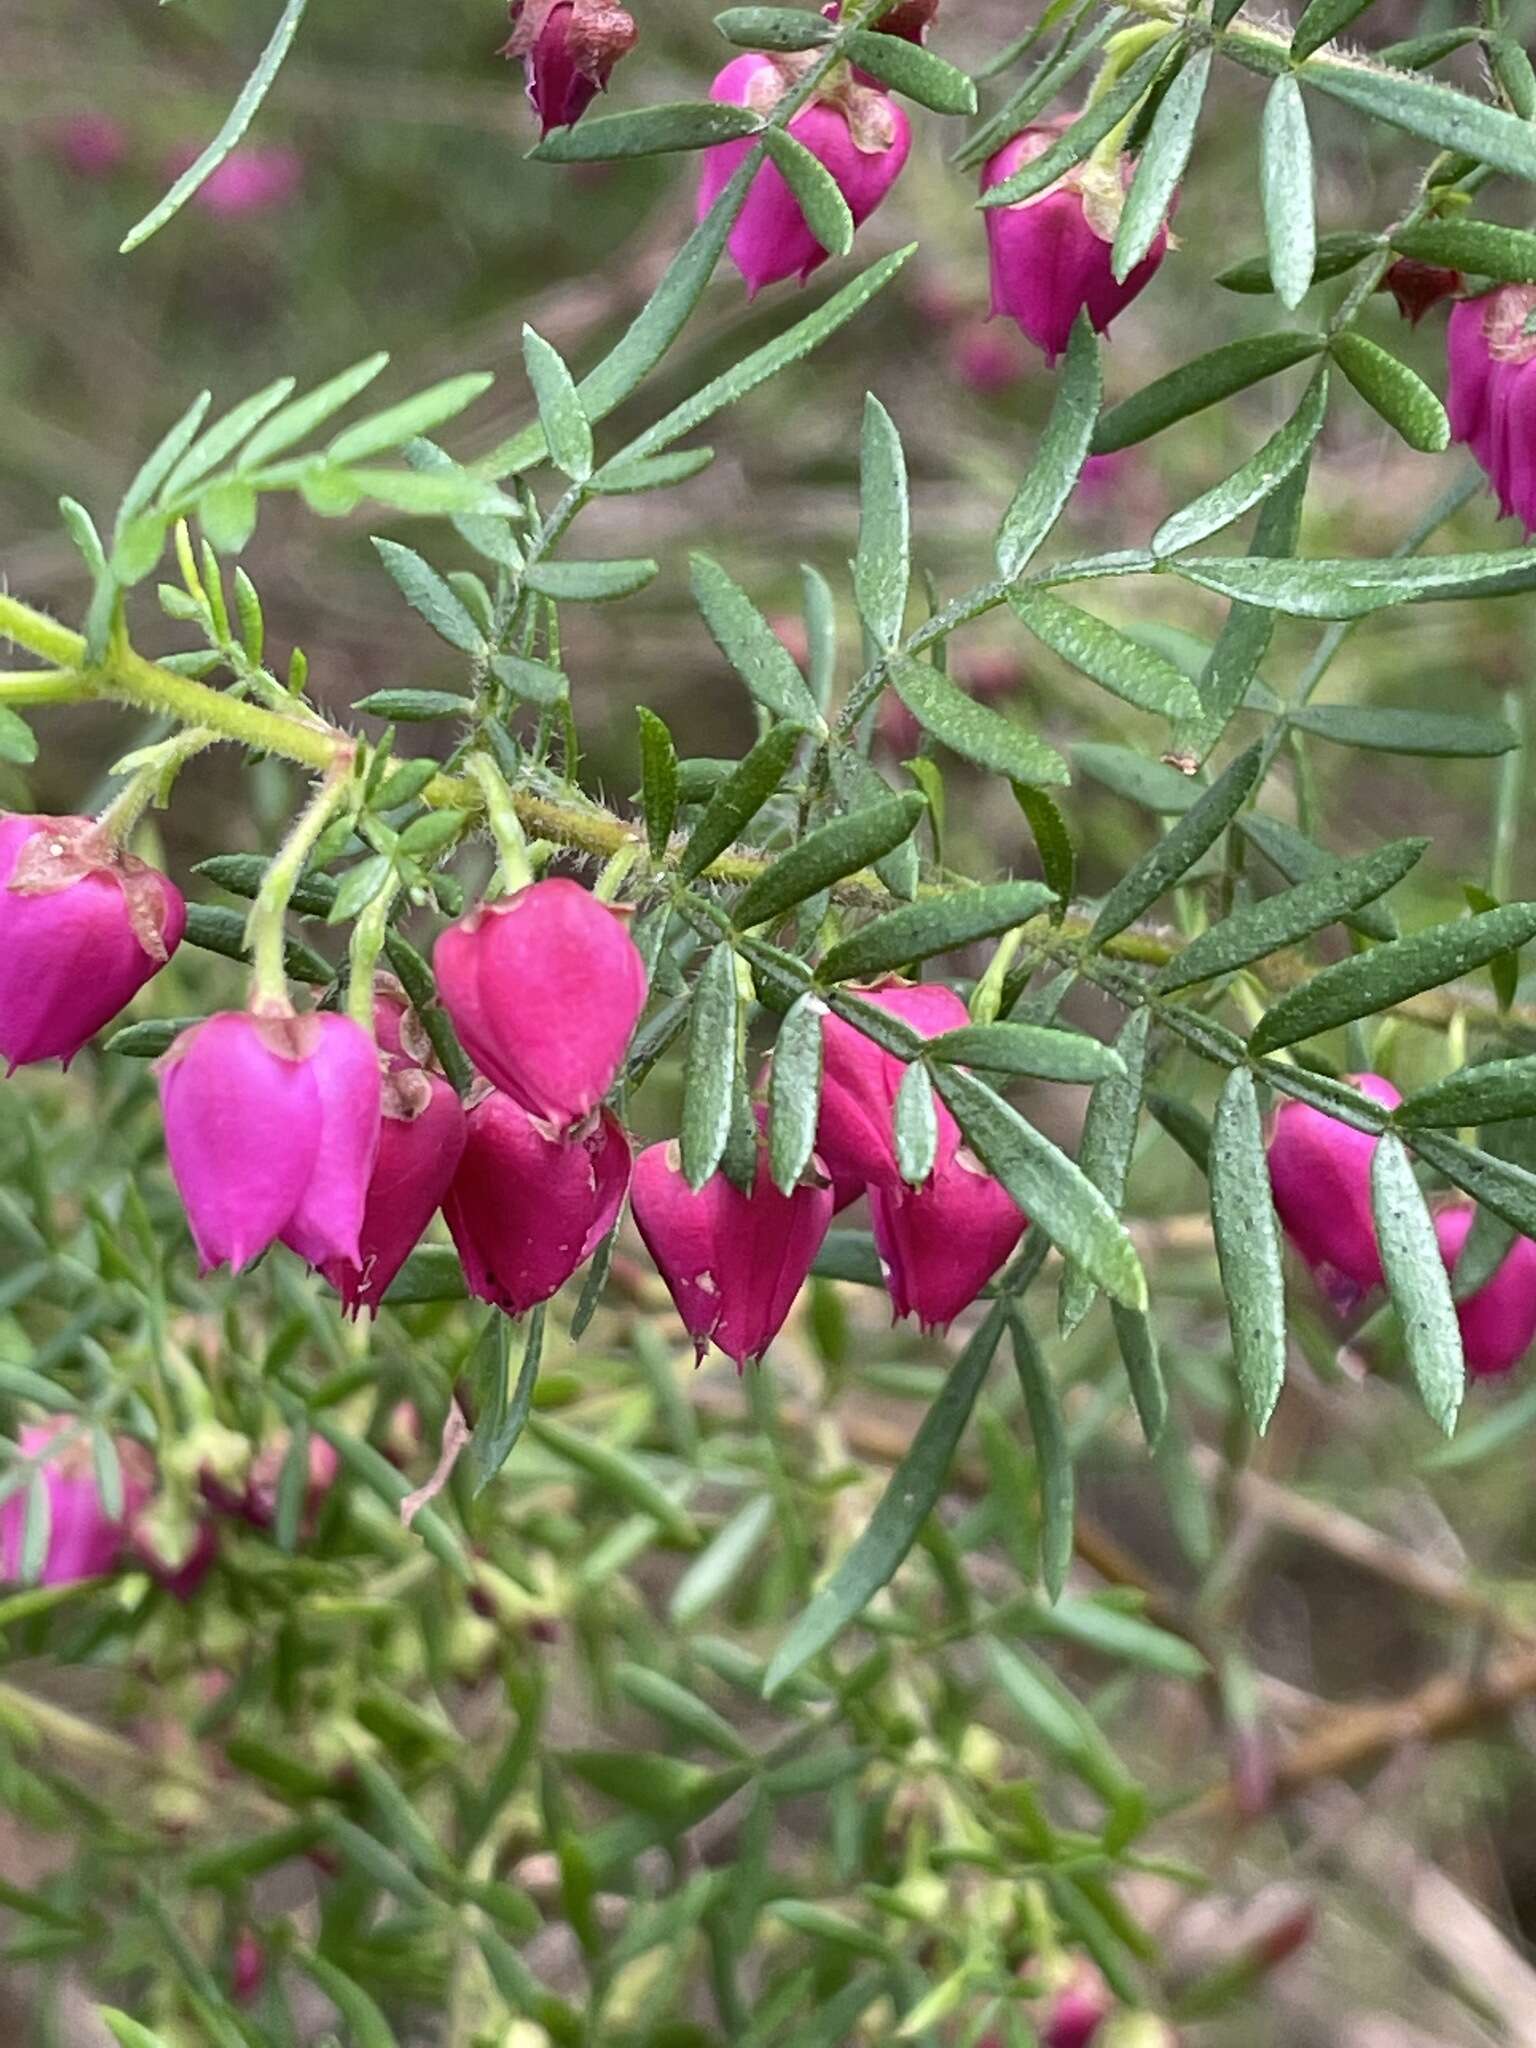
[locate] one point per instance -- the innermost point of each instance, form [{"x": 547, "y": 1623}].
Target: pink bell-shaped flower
[
  {"x": 733, "y": 1262},
  {"x": 272, "y": 1127},
  {"x": 421, "y": 1140},
  {"x": 83, "y": 1539},
  {"x": 1498, "y": 1323},
  {"x": 1320, "y": 1176},
  {"x": 855, "y": 1136},
  {"x": 1491, "y": 392},
  {"x": 528, "y": 1210},
  {"x": 856, "y": 131},
  {"x": 544, "y": 989},
  {"x": 1051, "y": 254},
  {"x": 941, "y": 1243},
  {"x": 1077, "y": 2011},
  {"x": 567, "y": 49},
  {"x": 83, "y": 926}
]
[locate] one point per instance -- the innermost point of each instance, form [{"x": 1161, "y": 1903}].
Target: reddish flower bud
[
  {"x": 247, "y": 1968},
  {"x": 249, "y": 181},
  {"x": 272, "y": 1126},
  {"x": 179, "y": 1573},
  {"x": 83, "y": 926},
  {"x": 1491, "y": 392},
  {"x": 910, "y": 19},
  {"x": 421, "y": 1140},
  {"x": 259, "y": 1502},
  {"x": 733, "y": 1262},
  {"x": 544, "y": 989},
  {"x": 83, "y": 1539},
  {"x": 1498, "y": 1323},
  {"x": 91, "y": 145},
  {"x": 1320, "y": 1174},
  {"x": 1051, "y": 254},
  {"x": 1418, "y": 286},
  {"x": 855, "y": 1138},
  {"x": 528, "y": 1210},
  {"x": 940, "y": 1244},
  {"x": 567, "y": 49},
  {"x": 1077, "y": 2011},
  {"x": 856, "y": 131}
]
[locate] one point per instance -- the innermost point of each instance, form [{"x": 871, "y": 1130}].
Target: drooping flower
[
  {"x": 1050, "y": 254},
  {"x": 1498, "y": 1323},
  {"x": 527, "y": 1210},
  {"x": 544, "y": 989},
  {"x": 256, "y": 178},
  {"x": 83, "y": 926},
  {"x": 1491, "y": 392},
  {"x": 421, "y": 1140},
  {"x": 856, "y": 131},
  {"x": 941, "y": 1243},
  {"x": 83, "y": 1539},
  {"x": 272, "y": 1127},
  {"x": 1077, "y": 2010},
  {"x": 1320, "y": 1175},
  {"x": 733, "y": 1262},
  {"x": 567, "y": 49},
  {"x": 855, "y": 1136},
  {"x": 1418, "y": 286}
]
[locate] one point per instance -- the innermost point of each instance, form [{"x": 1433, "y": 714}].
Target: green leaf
[
  {"x": 223, "y": 438},
  {"x": 1259, "y": 476},
  {"x": 534, "y": 681},
  {"x": 1151, "y": 784},
  {"x": 1295, "y": 856},
  {"x": 794, "y": 1091},
  {"x": 1417, "y": 1281},
  {"x": 916, "y": 1126},
  {"x": 1320, "y": 22},
  {"x": 1090, "y": 128},
  {"x": 774, "y": 28},
  {"x": 883, "y": 566},
  {"x": 504, "y": 1408},
  {"x": 1485, "y": 247},
  {"x": 935, "y": 925},
  {"x": 1372, "y": 982},
  {"x": 619, "y": 1474},
  {"x": 1335, "y": 254},
  {"x": 1207, "y": 380},
  {"x": 366, "y": 2026},
  {"x": 1295, "y": 914},
  {"x": 972, "y": 730},
  {"x": 711, "y": 1067},
  {"x": 739, "y": 798},
  {"x": 1195, "y": 833},
  {"x": 227, "y": 513},
  {"x": 1287, "y": 185},
  {"x": 1104, "y": 1152},
  {"x": 1490, "y": 1092},
  {"x": 751, "y": 646},
  {"x": 721, "y": 1563},
  {"x": 1399, "y": 394},
  {"x": 450, "y": 493},
  {"x": 817, "y": 193},
  {"x": 1248, "y": 1246},
  {"x": 1053, "y": 1456},
  {"x": 416, "y": 707},
  {"x": 238, "y": 119},
  {"x": 1384, "y": 729},
  {"x": 911, "y": 70},
  {"x": 681, "y": 1710},
  {"x": 1049, "y": 1187},
  {"x": 910, "y": 1496},
  {"x": 1436, "y": 112},
  {"x": 590, "y": 582},
  {"x": 647, "y": 131},
  {"x": 859, "y": 785},
  {"x": 827, "y": 856},
  {"x": 18, "y": 742},
  {"x": 658, "y": 781},
  {"x": 655, "y": 473},
  {"x": 312, "y": 410},
  {"x": 138, "y": 548},
  {"x": 358, "y": 888},
  {"x": 1163, "y": 159},
  {"x": 567, "y": 430},
  {"x": 128, "y": 2032},
  {"x": 1320, "y": 589},
  {"x": 400, "y": 423},
  {"x": 1050, "y": 478},
  {"x": 1137, "y": 1343},
  {"x": 1053, "y": 842},
  {"x": 1032, "y": 1049},
  {"x": 431, "y": 596},
  {"x": 370, "y": 1468},
  {"x": 1122, "y": 666},
  {"x": 1498, "y": 1184}
]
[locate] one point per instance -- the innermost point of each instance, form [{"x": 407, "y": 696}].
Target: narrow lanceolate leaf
[
  {"x": 1246, "y": 487},
  {"x": 909, "y": 1497},
  {"x": 1053, "y": 1456},
  {"x": 1032, "y": 1049},
  {"x": 882, "y": 568},
  {"x": 916, "y": 1126},
  {"x": 1295, "y": 914},
  {"x": 1050, "y": 478},
  {"x": 1387, "y": 730},
  {"x": 1089, "y": 128},
  {"x": 936, "y": 925},
  {"x": 1137, "y": 1341},
  {"x": 751, "y": 646},
  {"x": 1399, "y": 394},
  {"x": 717, "y": 1567},
  {"x": 567, "y": 430},
  {"x": 794, "y": 1091},
  {"x": 1195, "y": 833},
  {"x": 710, "y": 1068},
  {"x": 1053, "y": 842},
  {"x": 431, "y": 596},
  {"x": 400, "y": 423},
  {"x": 817, "y": 192},
  {"x": 774, "y": 28},
  {"x": 1205, "y": 381},
  {"x": 647, "y": 131},
  {"x": 828, "y": 855},
  {"x": 858, "y": 785},
  {"x": 739, "y": 798},
  {"x": 1424, "y": 107},
  {"x": 1152, "y": 785},
  {"x": 972, "y": 730},
  {"x": 1287, "y": 186},
  {"x": 1050, "y": 1188},
  {"x": 1507, "y": 1189},
  {"x": 658, "y": 780},
  {"x": 1484, "y": 247},
  {"x": 1122, "y": 666},
  {"x": 1104, "y": 1154},
  {"x": 1248, "y": 1246},
  {"x": 1335, "y": 255},
  {"x": 1168, "y": 144},
  {"x": 504, "y": 1405},
  {"x": 1418, "y": 1282},
  {"x": 910, "y": 69},
  {"x": 1372, "y": 982},
  {"x": 1321, "y": 589},
  {"x": 18, "y": 742},
  {"x": 302, "y": 415},
  {"x": 1320, "y": 22},
  {"x": 1298, "y": 859},
  {"x": 534, "y": 681},
  {"x": 1488, "y": 1093},
  {"x": 590, "y": 582}
]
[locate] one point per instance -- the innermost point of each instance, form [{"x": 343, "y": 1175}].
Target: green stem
[
  {"x": 265, "y": 933},
  {"x": 368, "y": 936},
  {"x": 42, "y": 686},
  {"x": 506, "y": 827}
]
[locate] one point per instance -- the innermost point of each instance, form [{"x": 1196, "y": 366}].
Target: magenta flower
[
  {"x": 567, "y": 49},
  {"x": 421, "y": 1140},
  {"x": 1320, "y": 1175},
  {"x": 1491, "y": 395},
  {"x": 83, "y": 1539},
  {"x": 733, "y": 1262},
  {"x": 1077, "y": 2011},
  {"x": 940, "y": 1244},
  {"x": 1498, "y": 1323},
  {"x": 909, "y": 19},
  {"x": 254, "y": 179},
  {"x": 857, "y": 131},
  {"x": 272, "y": 1127},
  {"x": 1051, "y": 254},
  {"x": 83, "y": 926},
  {"x": 91, "y": 144},
  {"x": 544, "y": 989},
  {"x": 528, "y": 1210},
  {"x": 855, "y": 1136}
]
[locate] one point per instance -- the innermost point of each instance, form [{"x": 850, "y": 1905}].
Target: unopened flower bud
[
  {"x": 1498, "y": 1323},
  {"x": 421, "y": 1140},
  {"x": 1320, "y": 1174},
  {"x": 1077, "y": 2010},
  {"x": 855, "y": 1136},
  {"x": 83, "y": 926},
  {"x": 941, "y": 1243},
  {"x": 92, "y": 145},
  {"x": 1418, "y": 286},
  {"x": 910, "y": 19},
  {"x": 567, "y": 49},
  {"x": 259, "y": 1502},
  {"x": 247, "y": 1968}
]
